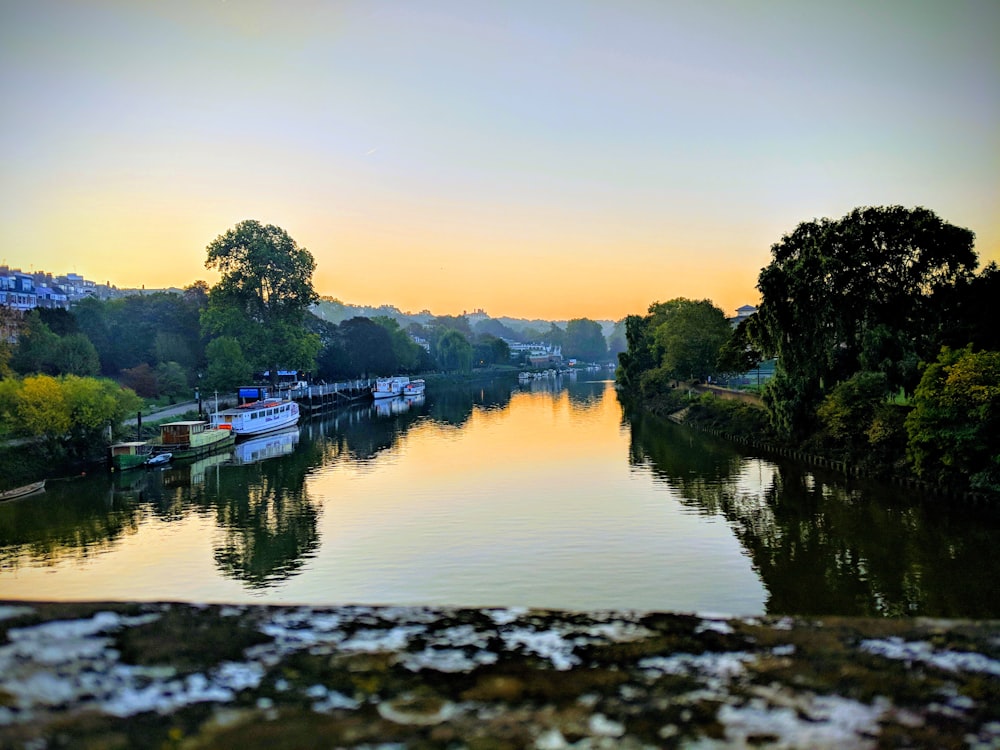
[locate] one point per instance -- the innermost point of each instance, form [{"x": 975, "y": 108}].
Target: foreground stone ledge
[{"x": 188, "y": 676}]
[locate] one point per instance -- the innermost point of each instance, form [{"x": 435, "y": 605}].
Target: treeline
[
  {"x": 257, "y": 318},
  {"x": 887, "y": 354}
]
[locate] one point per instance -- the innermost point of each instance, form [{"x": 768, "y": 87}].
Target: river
[{"x": 544, "y": 495}]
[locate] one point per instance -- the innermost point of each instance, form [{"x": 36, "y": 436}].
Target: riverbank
[
  {"x": 190, "y": 676},
  {"x": 740, "y": 418}
]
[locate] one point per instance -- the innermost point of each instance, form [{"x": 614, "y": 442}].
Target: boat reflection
[
  {"x": 387, "y": 407},
  {"x": 271, "y": 445}
]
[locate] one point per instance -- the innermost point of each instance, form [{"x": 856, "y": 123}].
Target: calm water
[{"x": 501, "y": 495}]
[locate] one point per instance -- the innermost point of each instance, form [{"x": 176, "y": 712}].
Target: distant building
[{"x": 742, "y": 313}]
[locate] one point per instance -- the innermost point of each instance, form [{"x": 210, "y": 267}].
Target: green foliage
[
  {"x": 227, "y": 367},
  {"x": 70, "y": 411},
  {"x": 35, "y": 351},
  {"x": 407, "y": 353},
  {"x": 862, "y": 424},
  {"x": 75, "y": 355},
  {"x": 732, "y": 416},
  {"x": 689, "y": 335},
  {"x": 864, "y": 291},
  {"x": 171, "y": 379},
  {"x": 738, "y": 354},
  {"x": 584, "y": 340},
  {"x": 454, "y": 352},
  {"x": 490, "y": 350},
  {"x": 262, "y": 297},
  {"x": 954, "y": 428}
]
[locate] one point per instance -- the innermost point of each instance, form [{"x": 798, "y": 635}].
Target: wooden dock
[{"x": 318, "y": 398}]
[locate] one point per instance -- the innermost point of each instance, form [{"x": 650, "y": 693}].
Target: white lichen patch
[
  {"x": 548, "y": 644},
  {"x": 450, "y": 660},
  {"x": 925, "y": 653},
  {"x": 817, "y": 722}
]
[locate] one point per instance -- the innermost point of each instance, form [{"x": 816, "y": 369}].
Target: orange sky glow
[{"x": 557, "y": 160}]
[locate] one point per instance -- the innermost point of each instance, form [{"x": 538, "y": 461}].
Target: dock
[{"x": 314, "y": 399}]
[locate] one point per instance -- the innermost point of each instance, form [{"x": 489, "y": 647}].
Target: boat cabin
[{"x": 180, "y": 433}]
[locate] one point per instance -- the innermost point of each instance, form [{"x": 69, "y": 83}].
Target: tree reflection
[
  {"x": 70, "y": 520},
  {"x": 824, "y": 546}
]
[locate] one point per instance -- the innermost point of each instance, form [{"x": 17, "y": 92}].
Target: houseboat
[
  {"x": 257, "y": 417},
  {"x": 389, "y": 387},
  {"x": 414, "y": 387},
  {"x": 130, "y": 455},
  {"x": 190, "y": 439}
]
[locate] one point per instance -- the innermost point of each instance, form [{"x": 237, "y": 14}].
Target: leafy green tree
[
  {"x": 490, "y": 350},
  {"x": 227, "y": 367},
  {"x": 407, "y": 353},
  {"x": 368, "y": 347},
  {"x": 263, "y": 296},
  {"x": 639, "y": 356},
  {"x": 171, "y": 379},
  {"x": 36, "y": 347},
  {"x": 584, "y": 340},
  {"x": 954, "y": 428},
  {"x": 41, "y": 409},
  {"x": 841, "y": 295},
  {"x": 738, "y": 354},
  {"x": 75, "y": 355},
  {"x": 690, "y": 336},
  {"x": 454, "y": 352},
  {"x": 95, "y": 404}
]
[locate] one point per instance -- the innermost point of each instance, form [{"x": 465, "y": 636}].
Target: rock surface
[{"x": 189, "y": 676}]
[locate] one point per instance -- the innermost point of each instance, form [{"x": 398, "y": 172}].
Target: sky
[{"x": 554, "y": 159}]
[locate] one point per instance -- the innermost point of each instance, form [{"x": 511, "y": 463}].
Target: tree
[
  {"x": 689, "y": 337},
  {"x": 368, "y": 347},
  {"x": 862, "y": 291},
  {"x": 954, "y": 428},
  {"x": 407, "y": 353},
  {"x": 263, "y": 295},
  {"x": 227, "y": 367},
  {"x": 171, "y": 379},
  {"x": 454, "y": 352},
  {"x": 75, "y": 355},
  {"x": 41, "y": 407},
  {"x": 35, "y": 351},
  {"x": 584, "y": 340}
]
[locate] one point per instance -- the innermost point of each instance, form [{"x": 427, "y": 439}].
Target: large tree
[
  {"x": 263, "y": 296},
  {"x": 689, "y": 335},
  {"x": 584, "y": 340},
  {"x": 864, "y": 292}
]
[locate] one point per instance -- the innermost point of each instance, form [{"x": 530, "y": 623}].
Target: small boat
[
  {"x": 257, "y": 417},
  {"x": 28, "y": 489},
  {"x": 159, "y": 459},
  {"x": 414, "y": 387},
  {"x": 389, "y": 387},
  {"x": 129, "y": 455}
]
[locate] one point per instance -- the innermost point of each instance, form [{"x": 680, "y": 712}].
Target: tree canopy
[
  {"x": 584, "y": 339},
  {"x": 263, "y": 295},
  {"x": 864, "y": 292}
]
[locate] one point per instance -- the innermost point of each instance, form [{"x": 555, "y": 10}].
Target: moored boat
[
  {"x": 389, "y": 387},
  {"x": 414, "y": 387},
  {"x": 159, "y": 459},
  {"x": 257, "y": 417},
  {"x": 23, "y": 491},
  {"x": 130, "y": 454},
  {"x": 191, "y": 438}
]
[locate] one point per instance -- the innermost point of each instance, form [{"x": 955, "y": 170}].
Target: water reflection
[
  {"x": 495, "y": 493},
  {"x": 822, "y": 545}
]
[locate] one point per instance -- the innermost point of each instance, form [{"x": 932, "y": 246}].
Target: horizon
[{"x": 555, "y": 162}]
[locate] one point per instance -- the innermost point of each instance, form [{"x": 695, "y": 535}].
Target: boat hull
[
  {"x": 258, "y": 418},
  {"x": 28, "y": 489}
]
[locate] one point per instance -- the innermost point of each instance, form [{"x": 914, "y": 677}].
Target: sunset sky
[{"x": 548, "y": 159}]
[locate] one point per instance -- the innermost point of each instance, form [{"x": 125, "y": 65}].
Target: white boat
[
  {"x": 159, "y": 459},
  {"x": 389, "y": 387},
  {"x": 271, "y": 445},
  {"x": 414, "y": 387},
  {"x": 257, "y": 417}
]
